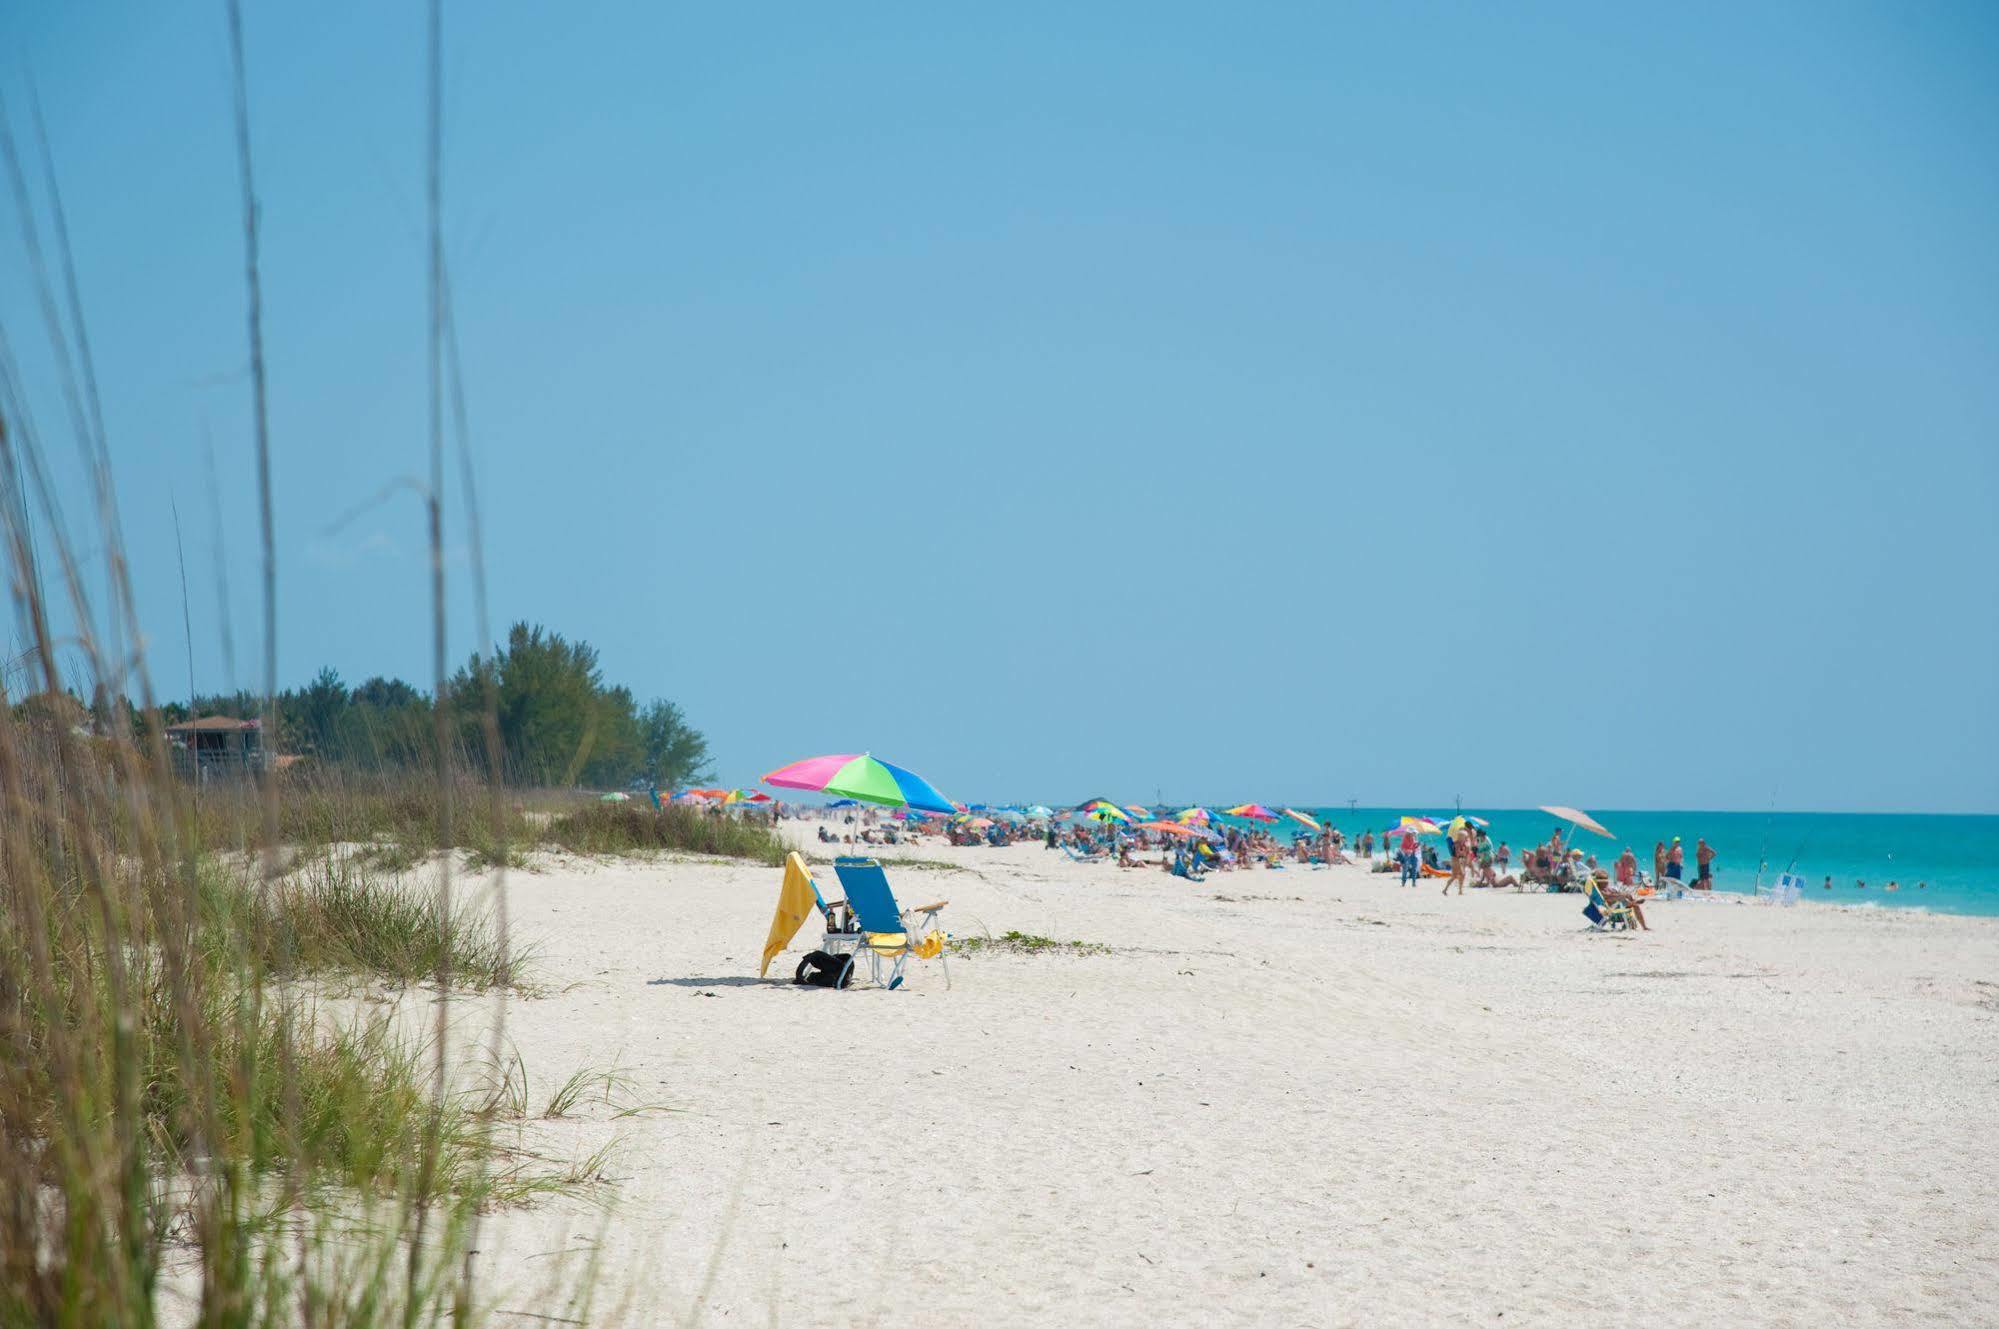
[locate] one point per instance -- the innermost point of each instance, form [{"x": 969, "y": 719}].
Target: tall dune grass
[{"x": 183, "y": 1123}]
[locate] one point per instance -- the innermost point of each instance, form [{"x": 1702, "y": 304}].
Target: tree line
[{"x": 559, "y": 723}]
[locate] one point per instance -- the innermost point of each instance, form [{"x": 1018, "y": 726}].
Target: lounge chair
[
  {"x": 888, "y": 932},
  {"x": 1604, "y": 916},
  {"x": 1094, "y": 857}
]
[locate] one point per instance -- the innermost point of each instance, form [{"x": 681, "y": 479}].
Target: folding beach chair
[
  {"x": 889, "y": 933},
  {"x": 1601, "y": 913}
]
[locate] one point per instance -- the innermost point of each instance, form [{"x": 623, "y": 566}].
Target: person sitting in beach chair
[
  {"x": 889, "y": 933},
  {"x": 1607, "y": 909},
  {"x": 1088, "y": 853}
]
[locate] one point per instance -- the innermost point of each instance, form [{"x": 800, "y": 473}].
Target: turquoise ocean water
[{"x": 1957, "y": 857}]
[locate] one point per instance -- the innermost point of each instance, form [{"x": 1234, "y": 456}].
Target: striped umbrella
[
  {"x": 864, "y": 777},
  {"x": 1254, "y": 811},
  {"x": 1302, "y": 819}
]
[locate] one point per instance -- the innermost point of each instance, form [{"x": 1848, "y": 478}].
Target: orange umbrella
[{"x": 1175, "y": 828}]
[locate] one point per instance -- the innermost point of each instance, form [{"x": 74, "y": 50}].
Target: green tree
[
  {"x": 675, "y": 753},
  {"x": 312, "y": 717}
]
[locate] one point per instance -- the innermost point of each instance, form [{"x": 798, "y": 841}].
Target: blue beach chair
[{"x": 889, "y": 932}]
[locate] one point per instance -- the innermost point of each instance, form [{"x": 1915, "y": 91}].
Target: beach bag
[{"x": 821, "y": 970}]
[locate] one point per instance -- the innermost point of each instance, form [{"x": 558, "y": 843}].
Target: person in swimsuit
[
  {"x": 1676, "y": 858},
  {"x": 1703, "y": 865},
  {"x": 1460, "y": 859}
]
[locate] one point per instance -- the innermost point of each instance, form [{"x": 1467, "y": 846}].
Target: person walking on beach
[
  {"x": 1460, "y": 860},
  {"x": 1703, "y": 865},
  {"x": 1407, "y": 857}
]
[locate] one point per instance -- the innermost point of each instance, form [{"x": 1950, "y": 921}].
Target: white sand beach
[{"x": 1298, "y": 1097}]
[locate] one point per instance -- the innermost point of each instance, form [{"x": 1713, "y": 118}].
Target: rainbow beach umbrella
[
  {"x": 864, "y": 777},
  {"x": 1254, "y": 811},
  {"x": 1302, "y": 819}
]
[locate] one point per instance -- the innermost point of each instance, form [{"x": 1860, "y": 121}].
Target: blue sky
[{"x": 1580, "y": 403}]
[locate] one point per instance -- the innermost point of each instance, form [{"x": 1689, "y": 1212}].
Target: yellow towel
[{"x": 796, "y": 902}]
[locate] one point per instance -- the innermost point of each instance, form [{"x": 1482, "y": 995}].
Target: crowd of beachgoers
[{"x": 1459, "y": 852}]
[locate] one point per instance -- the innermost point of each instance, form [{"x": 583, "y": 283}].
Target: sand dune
[{"x": 1302, "y": 1097}]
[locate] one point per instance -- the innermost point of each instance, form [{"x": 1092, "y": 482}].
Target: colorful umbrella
[
  {"x": 1176, "y": 828},
  {"x": 735, "y": 796},
  {"x": 1582, "y": 819},
  {"x": 1417, "y": 825},
  {"x": 1302, "y": 819},
  {"x": 1107, "y": 812},
  {"x": 1195, "y": 815},
  {"x": 864, "y": 777},
  {"x": 1254, "y": 811}
]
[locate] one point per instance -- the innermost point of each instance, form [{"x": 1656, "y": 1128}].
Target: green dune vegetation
[{"x": 190, "y": 1096}]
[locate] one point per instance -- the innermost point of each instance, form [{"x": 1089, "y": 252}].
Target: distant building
[{"x": 218, "y": 747}]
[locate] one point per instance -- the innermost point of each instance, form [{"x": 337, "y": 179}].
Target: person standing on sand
[
  {"x": 1627, "y": 869},
  {"x": 1676, "y": 858},
  {"x": 1659, "y": 863},
  {"x": 1407, "y": 857},
  {"x": 1703, "y": 865}
]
